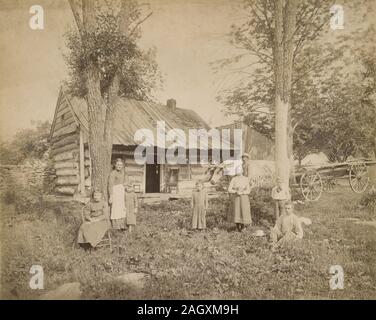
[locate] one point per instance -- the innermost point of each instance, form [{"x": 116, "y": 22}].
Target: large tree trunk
[
  {"x": 100, "y": 110},
  {"x": 285, "y": 20},
  {"x": 290, "y": 151},
  {"x": 100, "y": 128}
]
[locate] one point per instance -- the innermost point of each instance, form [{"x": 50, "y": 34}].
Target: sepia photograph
[{"x": 192, "y": 150}]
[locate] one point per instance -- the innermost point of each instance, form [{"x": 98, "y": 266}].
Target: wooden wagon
[{"x": 313, "y": 180}]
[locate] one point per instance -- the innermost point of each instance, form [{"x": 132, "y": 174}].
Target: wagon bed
[{"x": 313, "y": 180}]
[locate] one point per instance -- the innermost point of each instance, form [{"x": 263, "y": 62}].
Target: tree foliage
[
  {"x": 252, "y": 95},
  {"x": 113, "y": 50},
  {"x": 341, "y": 116},
  {"x": 328, "y": 110},
  {"x": 31, "y": 143},
  {"x": 106, "y": 62}
]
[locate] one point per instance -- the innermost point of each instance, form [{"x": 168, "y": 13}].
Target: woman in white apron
[{"x": 116, "y": 195}]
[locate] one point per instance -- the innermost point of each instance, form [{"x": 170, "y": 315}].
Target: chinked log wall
[{"x": 65, "y": 151}]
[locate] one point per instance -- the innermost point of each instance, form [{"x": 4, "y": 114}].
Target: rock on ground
[
  {"x": 135, "y": 280},
  {"x": 68, "y": 291}
]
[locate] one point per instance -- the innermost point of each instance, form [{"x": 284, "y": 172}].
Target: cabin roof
[
  {"x": 257, "y": 145},
  {"x": 132, "y": 115}
]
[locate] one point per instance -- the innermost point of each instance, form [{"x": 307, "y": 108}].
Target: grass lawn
[{"x": 218, "y": 263}]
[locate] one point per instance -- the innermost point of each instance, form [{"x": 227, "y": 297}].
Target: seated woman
[{"x": 95, "y": 223}]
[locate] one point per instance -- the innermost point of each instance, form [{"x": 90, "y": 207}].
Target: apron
[{"x": 118, "y": 205}]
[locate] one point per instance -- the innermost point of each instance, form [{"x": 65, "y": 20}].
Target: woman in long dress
[
  {"x": 116, "y": 195},
  {"x": 239, "y": 190},
  {"x": 95, "y": 222}
]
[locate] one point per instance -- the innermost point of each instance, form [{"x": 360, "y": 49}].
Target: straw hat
[{"x": 259, "y": 233}]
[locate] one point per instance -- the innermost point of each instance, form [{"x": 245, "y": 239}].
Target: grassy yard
[{"x": 215, "y": 264}]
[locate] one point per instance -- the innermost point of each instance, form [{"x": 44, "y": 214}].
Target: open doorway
[{"x": 152, "y": 183}]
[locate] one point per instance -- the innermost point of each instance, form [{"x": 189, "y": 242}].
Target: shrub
[
  {"x": 262, "y": 206},
  {"x": 368, "y": 200},
  {"x": 8, "y": 196},
  {"x": 25, "y": 199}
]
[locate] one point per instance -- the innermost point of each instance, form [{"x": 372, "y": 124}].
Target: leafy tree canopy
[
  {"x": 333, "y": 82},
  {"x": 28, "y": 143},
  {"x": 113, "y": 50}
]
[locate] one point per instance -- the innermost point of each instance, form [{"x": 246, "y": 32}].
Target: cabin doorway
[{"x": 152, "y": 183}]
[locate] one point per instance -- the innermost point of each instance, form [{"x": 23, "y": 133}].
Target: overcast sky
[{"x": 188, "y": 35}]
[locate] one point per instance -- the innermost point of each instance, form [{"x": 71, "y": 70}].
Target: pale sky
[{"x": 188, "y": 36}]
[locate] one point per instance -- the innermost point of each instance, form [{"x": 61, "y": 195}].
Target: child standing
[
  {"x": 199, "y": 206},
  {"x": 131, "y": 206},
  {"x": 281, "y": 195}
]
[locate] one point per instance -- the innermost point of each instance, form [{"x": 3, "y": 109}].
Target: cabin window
[{"x": 185, "y": 172}]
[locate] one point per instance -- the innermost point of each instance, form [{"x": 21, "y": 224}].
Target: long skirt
[
  {"x": 118, "y": 223},
  {"x": 118, "y": 212},
  {"x": 131, "y": 218},
  {"x": 199, "y": 218},
  {"x": 92, "y": 232},
  {"x": 241, "y": 209}
]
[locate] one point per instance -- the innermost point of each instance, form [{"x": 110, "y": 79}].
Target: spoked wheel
[
  {"x": 358, "y": 177},
  {"x": 311, "y": 185}
]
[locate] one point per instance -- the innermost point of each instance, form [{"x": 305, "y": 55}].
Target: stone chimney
[{"x": 171, "y": 103}]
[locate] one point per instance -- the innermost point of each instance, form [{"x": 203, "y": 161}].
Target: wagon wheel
[
  {"x": 358, "y": 177},
  {"x": 311, "y": 185}
]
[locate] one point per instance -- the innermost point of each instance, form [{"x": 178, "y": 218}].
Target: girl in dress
[
  {"x": 199, "y": 206},
  {"x": 131, "y": 206},
  {"x": 240, "y": 189},
  {"x": 116, "y": 195}
]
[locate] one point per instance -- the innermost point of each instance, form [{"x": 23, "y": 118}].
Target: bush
[
  {"x": 8, "y": 196},
  {"x": 25, "y": 199},
  {"x": 262, "y": 206},
  {"x": 27, "y": 143},
  {"x": 368, "y": 200}
]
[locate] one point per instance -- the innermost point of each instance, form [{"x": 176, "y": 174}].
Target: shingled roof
[{"x": 132, "y": 115}]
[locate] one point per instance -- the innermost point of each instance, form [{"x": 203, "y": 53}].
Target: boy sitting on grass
[{"x": 288, "y": 227}]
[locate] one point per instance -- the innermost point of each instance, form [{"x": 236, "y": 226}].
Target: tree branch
[
  {"x": 140, "y": 22},
  {"x": 77, "y": 18}
]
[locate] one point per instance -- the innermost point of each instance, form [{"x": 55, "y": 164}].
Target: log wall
[
  {"x": 134, "y": 173},
  {"x": 65, "y": 150}
]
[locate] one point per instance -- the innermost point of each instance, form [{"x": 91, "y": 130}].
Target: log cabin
[{"x": 71, "y": 149}]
